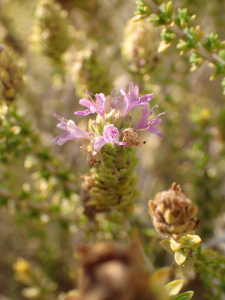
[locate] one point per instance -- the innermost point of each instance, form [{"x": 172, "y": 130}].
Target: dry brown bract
[
  {"x": 173, "y": 213},
  {"x": 113, "y": 272}
]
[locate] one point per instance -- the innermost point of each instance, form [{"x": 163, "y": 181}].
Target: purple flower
[
  {"x": 110, "y": 134},
  {"x": 149, "y": 124},
  {"x": 72, "y": 131},
  {"x": 92, "y": 107},
  {"x": 131, "y": 100}
]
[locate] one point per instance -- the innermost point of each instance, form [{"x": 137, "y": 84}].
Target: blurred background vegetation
[{"x": 60, "y": 50}]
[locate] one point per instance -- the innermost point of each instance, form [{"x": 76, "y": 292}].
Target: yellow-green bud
[{"x": 139, "y": 46}]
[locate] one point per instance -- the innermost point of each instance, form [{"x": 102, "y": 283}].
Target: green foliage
[{"x": 178, "y": 25}]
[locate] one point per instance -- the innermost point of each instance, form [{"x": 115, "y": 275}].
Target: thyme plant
[{"x": 76, "y": 220}]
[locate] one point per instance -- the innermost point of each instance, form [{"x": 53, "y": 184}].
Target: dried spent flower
[
  {"x": 112, "y": 271},
  {"x": 173, "y": 213},
  {"x": 131, "y": 138}
]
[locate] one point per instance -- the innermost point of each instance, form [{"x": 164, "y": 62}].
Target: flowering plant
[
  {"x": 47, "y": 213},
  {"x": 112, "y": 181}
]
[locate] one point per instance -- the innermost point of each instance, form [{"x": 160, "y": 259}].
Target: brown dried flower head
[
  {"x": 131, "y": 138},
  {"x": 173, "y": 213},
  {"x": 112, "y": 271}
]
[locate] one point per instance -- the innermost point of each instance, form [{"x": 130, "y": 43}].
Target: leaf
[
  {"x": 174, "y": 287},
  {"x": 175, "y": 246},
  {"x": 166, "y": 245},
  {"x": 160, "y": 277},
  {"x": 163, "y": 47},
  {"x": 192, "y": 240},
  {"x": 209, "y": 254},
  {"x": 187, "y": 266},
  {"x": 180, "y": 256},
  {"x": 185, "y": 296}
]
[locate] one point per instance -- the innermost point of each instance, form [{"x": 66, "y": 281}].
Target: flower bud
[{"x": 173, "y": 213}]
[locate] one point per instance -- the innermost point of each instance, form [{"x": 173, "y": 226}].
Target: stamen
[
  {"x": 131, "y": 87},
  {"x": 63, "y": 120},
  {"x": 163, "y": 113},
  {"x": 89, "y": 94}
]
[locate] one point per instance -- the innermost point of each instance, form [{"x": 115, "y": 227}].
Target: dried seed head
[
  {"x": 173, "y": 213},
  {"x": 131, "y": 138}
]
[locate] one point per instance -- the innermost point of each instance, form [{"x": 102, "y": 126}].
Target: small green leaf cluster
[
  {"x": 182, "y": 19},
  {"x": 15, "y": 138},
  {"x": 213, "y": 43},
  {"x": 196, "y": 60},
  {"x": 143, "y": 10},
  {"x": 164, "y": 16},
  {"x": 192, "y": 38},
  {"x": 174, "y": 287},
  {"x": 183, "y": 251},
  {"x": 178, "y": 29}
]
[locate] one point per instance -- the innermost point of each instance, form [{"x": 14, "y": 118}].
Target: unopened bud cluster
[
  {"x": 51, "y": 29},
  {"x": 11, "y": 74}
]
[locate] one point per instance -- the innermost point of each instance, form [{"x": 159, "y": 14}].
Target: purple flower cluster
[{"x": 124, "y": 103}]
